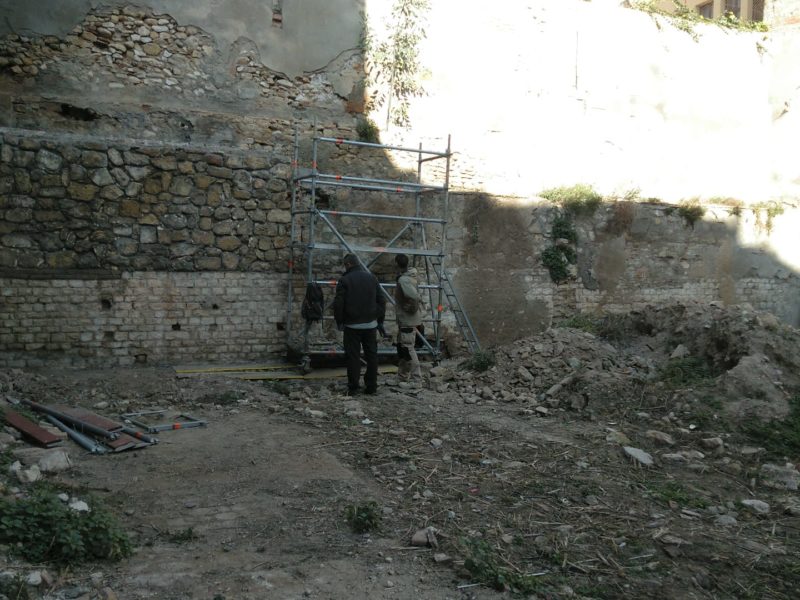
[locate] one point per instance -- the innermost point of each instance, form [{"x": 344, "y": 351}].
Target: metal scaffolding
[{"x": 317, "y": 228}]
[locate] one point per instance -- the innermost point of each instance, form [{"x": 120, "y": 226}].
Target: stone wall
[
  {"x": 89, "y": 203},
  {"x": 628, "y": 256},
  {"x": 145, "y": 173}
]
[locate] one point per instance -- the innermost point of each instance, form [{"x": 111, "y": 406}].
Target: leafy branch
[{"x": 393, "y": 67}]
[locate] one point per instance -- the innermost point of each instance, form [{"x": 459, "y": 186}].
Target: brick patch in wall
[{"x": 142, "y": 318}]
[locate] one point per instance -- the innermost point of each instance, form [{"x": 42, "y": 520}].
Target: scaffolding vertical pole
[
  {"x": 292, "y": 234},
  {"x": 312, "y": 218},
  {"x": 446, "y": 216}
]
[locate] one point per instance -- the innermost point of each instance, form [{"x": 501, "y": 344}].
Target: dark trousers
[{"x": 354, "y": 341}]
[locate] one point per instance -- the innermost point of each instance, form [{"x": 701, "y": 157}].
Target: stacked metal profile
[{"x": 426, "y": 211}]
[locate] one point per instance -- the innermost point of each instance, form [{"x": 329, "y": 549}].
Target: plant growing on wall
[
  {"x": 691, "y": 211},
  {"x": 765, "y": 213},
  {"x": 685, "y": 18},
  {"x": 368, "y": 131},
  {"x": 558, "y": 257},
  {"x": 578, "y": 200},
  {"x": 392, "y": 64}
]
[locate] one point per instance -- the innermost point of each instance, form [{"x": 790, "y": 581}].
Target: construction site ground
[{"x": 646, "y": 455}]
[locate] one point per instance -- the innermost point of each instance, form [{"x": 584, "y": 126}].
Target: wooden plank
[
  {"x": 124, "y": 442},
  {"x": 31, "y": 429},
  {"x": 90, "y": 418}
]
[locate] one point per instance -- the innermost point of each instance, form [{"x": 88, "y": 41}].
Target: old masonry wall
[{"x": 145, "y": 173}]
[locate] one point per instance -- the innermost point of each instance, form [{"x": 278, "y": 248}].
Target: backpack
[
  {"x": 313, "y": 303},
  {"x": 408, "y": 304}
]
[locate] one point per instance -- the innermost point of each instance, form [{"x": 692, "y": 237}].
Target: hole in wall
[
  {"x": 109, "y": 335},
  {"x": 176, "y": 327},
  {"x": 280, "y": 326},
  {"x": 105, "y": 303},
  {"x": 140, "y": 358},
  {"x": 215, "y": 306},
  {"x": 77, "y": 113}
]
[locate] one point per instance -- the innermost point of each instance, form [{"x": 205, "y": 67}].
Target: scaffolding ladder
[{"x": 312, "y": 221}]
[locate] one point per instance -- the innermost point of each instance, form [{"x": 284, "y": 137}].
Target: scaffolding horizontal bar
[
  {"x": 375, "y": 249},
  {"x": 342, "y": 141},
  {"x": 406, "y": 188},
  {"x": 411, "y": 219},
  {"x": 382, "y": 351},
  {"x": 351, "y": 178}
]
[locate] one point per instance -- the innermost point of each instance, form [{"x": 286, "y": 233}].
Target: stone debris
[
  {"x": 786, "y": 477},
  {"x": 757, "y": 506},
  {"x": 639, "y": 456},
  {"x": 55, "y": 461},
  {"x": 660, "y": 437},
  {"x": 425, "y": 537}
]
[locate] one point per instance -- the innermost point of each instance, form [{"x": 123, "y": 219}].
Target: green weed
[
  {"x": 691, "y": 211},
  {"x": 581, "y": 321},
  {"x": 182, "y": 536},
  {"x": 578, "y": 200},
  {"x": 672, "y": 491},
  {"x": 481, "y": 360},
  {"x": 363, "y": 518},
  {"x": 13, "y": 588},
  {"x": 483, "y": 564},
  {"x": 563, "y": 228},
  {"x": 368, "y": 131},
  {"x": 686, "y": 372},
  {"x": 557, "y": 262},
  {"x": 765, "y": 214},
  {"x": 42, "y": 528}
]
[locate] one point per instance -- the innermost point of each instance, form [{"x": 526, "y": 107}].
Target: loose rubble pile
[{"x": 612, "y": 464}]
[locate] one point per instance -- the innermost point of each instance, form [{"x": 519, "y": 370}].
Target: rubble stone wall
[
  {"x": 141, "y": 318},
  {"x": 90, "y": 203},
  {"x": 627, "y": 257}
]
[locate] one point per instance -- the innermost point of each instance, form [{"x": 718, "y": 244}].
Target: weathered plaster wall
[
  {"x": 563, "y": 92},
  {"x": 313, "y": 32},
  {"x": 782, "y": 12}
]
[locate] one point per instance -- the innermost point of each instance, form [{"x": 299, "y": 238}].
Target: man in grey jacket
[{"x": 408, "y": 311}]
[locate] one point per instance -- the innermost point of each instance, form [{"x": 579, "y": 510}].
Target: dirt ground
[{"x": 644, "y": 455}]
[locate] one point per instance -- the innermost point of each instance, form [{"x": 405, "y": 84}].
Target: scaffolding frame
[{"x": 306, "y": 187}]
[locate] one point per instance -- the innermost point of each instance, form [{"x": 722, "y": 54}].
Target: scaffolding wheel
[{"x": 305, "y": 365}]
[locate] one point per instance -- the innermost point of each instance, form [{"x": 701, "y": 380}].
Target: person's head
[
  {"x": 401, "y": 260},
  {"x": 349, "y": 260}
]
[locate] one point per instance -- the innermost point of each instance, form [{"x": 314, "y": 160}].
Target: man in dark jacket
[{"x": 359, "y": 308}]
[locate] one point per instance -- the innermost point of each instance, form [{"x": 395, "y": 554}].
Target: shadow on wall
[{"x": 624, "y": 256}]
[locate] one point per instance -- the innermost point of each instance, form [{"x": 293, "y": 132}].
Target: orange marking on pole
[
  {"x": 381, "y": 249},
  {"x": 340, "y": 140},
  {"x": 313, "y": 164},
  {"x": 338, "y": 178},
  {"x": 440, "y": 308},
  {"x": 176, "y": 426},
  {"x": 290, "y": 263},
  {"x": 398, "y": 190}
]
